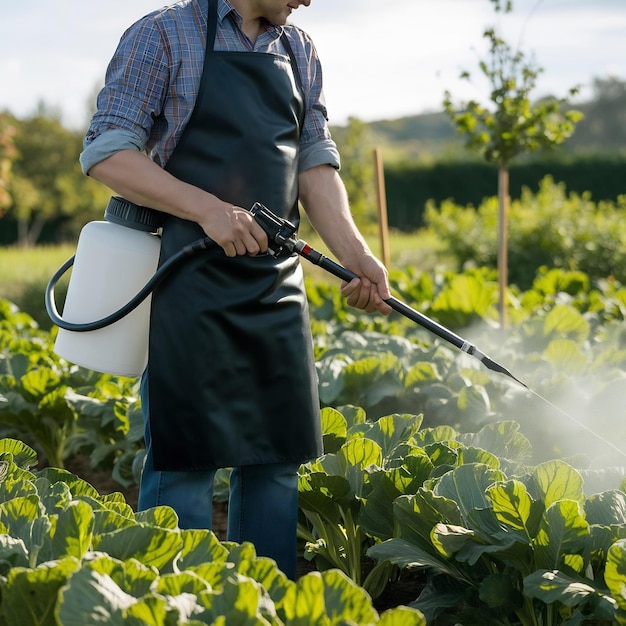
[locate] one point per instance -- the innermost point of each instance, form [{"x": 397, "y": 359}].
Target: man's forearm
[
  {"x": 325, "y": 201},
  {"x": 135, "y": 177}
]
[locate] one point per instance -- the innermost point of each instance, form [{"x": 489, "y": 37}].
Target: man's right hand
[
  {"x": 234, "y": 229},
  {"x": 134, "y": 176}
]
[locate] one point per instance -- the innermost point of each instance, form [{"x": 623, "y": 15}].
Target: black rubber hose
[{"x": 51, "y": 308}]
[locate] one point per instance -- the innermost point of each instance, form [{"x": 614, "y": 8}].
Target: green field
[{"x": 25, "y": 272}]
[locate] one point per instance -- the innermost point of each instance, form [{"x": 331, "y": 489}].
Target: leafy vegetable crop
[
  {"x": 499, "y": 541},
  {"x": 70, "y": 557}
]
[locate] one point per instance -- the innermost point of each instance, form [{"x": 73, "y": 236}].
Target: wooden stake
[
  {"x": 381, "y": 199},
  {"x": 503, "y": 263}
]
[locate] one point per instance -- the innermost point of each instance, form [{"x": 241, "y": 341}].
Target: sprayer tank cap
[{"x": 125, "y": 213}]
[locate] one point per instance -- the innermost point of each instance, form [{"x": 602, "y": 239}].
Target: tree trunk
[
  {"x": 503, "y": 219},
  {"x": 28, "y": 232}
]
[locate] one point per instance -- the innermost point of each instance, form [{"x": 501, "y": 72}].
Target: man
[{"x": 209, "y": 106}]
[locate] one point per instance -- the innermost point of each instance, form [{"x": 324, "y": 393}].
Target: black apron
[{"x": 231, "y": 374}]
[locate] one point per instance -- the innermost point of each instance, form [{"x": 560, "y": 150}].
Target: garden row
[{"x": 437, "y": 473}]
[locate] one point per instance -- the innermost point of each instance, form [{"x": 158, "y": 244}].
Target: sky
[{"x": 382, "y": 59}]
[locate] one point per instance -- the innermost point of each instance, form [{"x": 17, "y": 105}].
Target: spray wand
[{"x": 282, "y": 233}]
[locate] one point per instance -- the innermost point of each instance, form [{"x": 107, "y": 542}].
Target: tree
[
  {"x": 45, "y": 183},
  {"x": 7, "y": 156},
  {"x": 513, "y": 124}
]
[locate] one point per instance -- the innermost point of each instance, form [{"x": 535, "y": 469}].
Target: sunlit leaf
[
  {"x": 556, "y": 480},
  {"x": 615, "y": 572},
  {"x": 467, "y": 486},
  {"x": 150, "y": 545},
  {"x": 563, "y": 531},
  {"x": 22, "y": 605}
]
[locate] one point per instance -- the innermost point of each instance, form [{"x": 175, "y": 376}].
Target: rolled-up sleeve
[
  {"x": 319, "y": 153},
  {"x": 107, "y": 144},
  {"x": 136, "y": 82}
]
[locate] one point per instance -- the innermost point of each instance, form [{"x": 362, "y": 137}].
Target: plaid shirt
[{"x": 154, "y": 76}]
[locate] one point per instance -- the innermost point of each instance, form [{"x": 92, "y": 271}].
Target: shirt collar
[{"x": 224, "y": 8}]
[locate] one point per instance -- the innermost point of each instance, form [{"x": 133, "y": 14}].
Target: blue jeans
[{"x": 262, "y": 507}]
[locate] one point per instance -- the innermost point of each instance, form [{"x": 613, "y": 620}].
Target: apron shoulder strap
[{"x": 296, "y": 73}]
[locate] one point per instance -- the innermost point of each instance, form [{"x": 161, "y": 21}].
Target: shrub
[{"x": 550, "y": 228}]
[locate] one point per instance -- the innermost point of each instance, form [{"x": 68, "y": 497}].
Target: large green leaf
[
  {"x": 497, "y": 590},
  {"x": 29, "y": 597},
  {"x": 377, "y": 516},
  {"x": 334, "y": 429},
  {"x": 405, "y": 554},
  {"x": 39, "y": 382},
  {"x": 330, "y": 377},
  {"x": 14, "y": 481},
  {"x": 373, "y": 378},
  {"x": 325, "y": 495},
  {"x": 71, "y": 533},
  {"x": 179, "y": 583},
  {"x": 402, "y": 616},
  {"x": 435, "y": 435},
  {"x": 355, "y": 416},
  {"x": 556, "y": 480},
  {"x": 148, "y": 544},
  {"x": 327, "y": 598},
  {"x": 107, "y": 521},
  {"x": 159, "y": 516},
  {"x": 54, "y": 497},
  {"x": 553, "y": 586},
  {"x": 473, "y": 402},
  {"x": 434, "y": 599},
  {"x": 131, "y": 576},
  {"x": 417, "y": 515},
  {"x": 442, "y": 455},
  {"x": 392, "y": 430},
  {"x": 484, "y": 537},
  {"x": 13, "y": 551},
  {"x": 467, "y": 486},
  {"x": 24, "y": 519},
  {"x": 501, "y": 438},
  {"x": 449, "y": 539},
  {"x": 566, "y": 356},
  {"x": 351, "y": 462},
  {"x": 23, "y": 456},
  {"x": 199, "y": 546},
  {"x": 158, "y": 611},
  {"x": 606, "y": 508},
  {"x": 564, "y": 321},
  {"x": 241, "y": 601},
  {"x": 512, "y": 505},
  {"x": 470, "y": 455},
  {"x": 424, "y": 371},
  {"x": 265, "y": 571},
  {"x": 78, "y": 486},
  {"x": 359, "y": 455},
  {"x": 92, "y": 598},
  {"x": 563, "y": 531},
  {"x": 615, "y": 572},
  {"x": 465, "y": 298}
]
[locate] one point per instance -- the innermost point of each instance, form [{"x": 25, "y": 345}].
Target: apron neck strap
[{"x": 211, "y": 26}]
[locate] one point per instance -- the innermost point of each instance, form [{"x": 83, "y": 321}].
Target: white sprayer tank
[{"x": 112, "y": 264}]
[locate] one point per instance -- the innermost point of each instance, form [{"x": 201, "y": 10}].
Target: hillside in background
[{"x": 431, "y": 136}]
